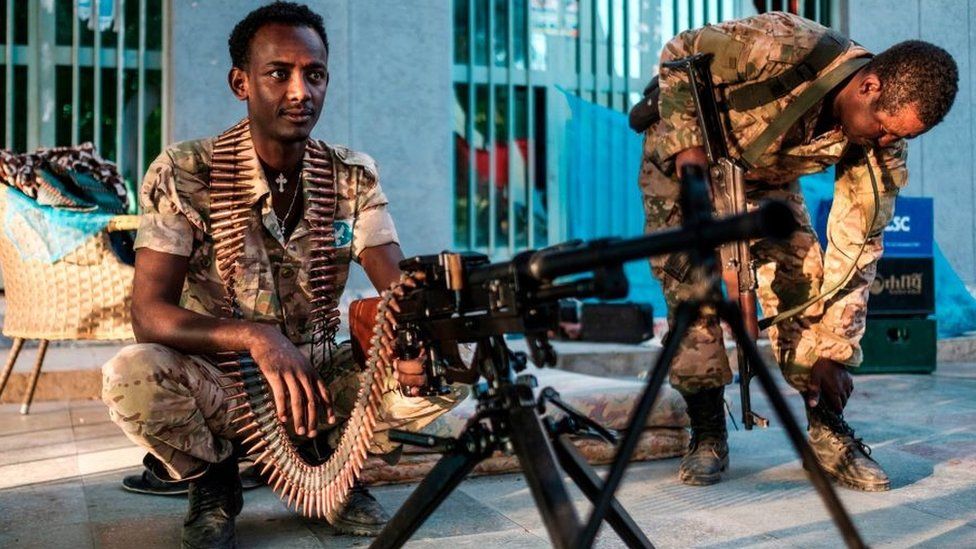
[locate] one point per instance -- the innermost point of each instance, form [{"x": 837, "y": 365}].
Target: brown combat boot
[
  {"x": 843, "y": 456},
  {"x": 708, "y": 453},
  {"x": 215, "y": 499}
]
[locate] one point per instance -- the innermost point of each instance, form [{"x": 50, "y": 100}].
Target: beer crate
[
  {"x": 904, "y": 286},
  {"x": 898, "y": 346}
]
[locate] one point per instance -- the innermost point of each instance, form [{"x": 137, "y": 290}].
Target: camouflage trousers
[
  {"x": 173, "y": 405},
  {"x": 788, "y": 273}
]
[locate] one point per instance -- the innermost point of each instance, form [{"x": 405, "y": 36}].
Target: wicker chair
[{"x": 85, "y": 295}]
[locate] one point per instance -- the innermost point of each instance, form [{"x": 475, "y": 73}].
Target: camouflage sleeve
[
  {"x": 841, "y": 327},
  {"x": 164, "y": 224},
  {"x": 743, "y": 51},
  {"x": 374, "y": 224}
]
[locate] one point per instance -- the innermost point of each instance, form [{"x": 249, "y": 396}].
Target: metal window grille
[
  {"x": 86, "y": 70},
  {"x": 513, "y": 58}
]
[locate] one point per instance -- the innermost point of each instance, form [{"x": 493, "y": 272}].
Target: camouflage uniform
[
  {"x": 746, "y": 51},
  {"x": 172, "y": 403}
]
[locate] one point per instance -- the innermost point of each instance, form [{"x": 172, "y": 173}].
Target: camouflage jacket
[
  {"x": 273, "y": 286},
  {"x": 755, "y": 49}
]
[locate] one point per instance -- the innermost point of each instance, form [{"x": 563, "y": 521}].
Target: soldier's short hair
[
  {"x": 287, "y": 13},
  {"x": 919, "y": 73}
]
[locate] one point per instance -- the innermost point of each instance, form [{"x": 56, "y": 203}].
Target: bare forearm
[{"x": 194, "y": 333}]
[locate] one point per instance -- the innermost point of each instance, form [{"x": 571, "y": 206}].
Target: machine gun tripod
[{"x": 466, "y": 299}]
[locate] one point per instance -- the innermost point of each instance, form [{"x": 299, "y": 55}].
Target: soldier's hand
[
  {"x": 694, "y": 156},
  {"x": 295, "y": 384},
  {"x": 831, "y": 382},
  {"x": 410, "y": 374}
]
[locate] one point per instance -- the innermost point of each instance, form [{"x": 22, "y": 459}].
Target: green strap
[
  {"x": 810, "y": 96},
  {"x": 829, "y": 47},
  {"x": 829, "y": 293}
]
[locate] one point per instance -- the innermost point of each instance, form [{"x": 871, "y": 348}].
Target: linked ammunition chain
[
  {"x": 313, "y": 490},
  {"x": 316, "y": 490}
]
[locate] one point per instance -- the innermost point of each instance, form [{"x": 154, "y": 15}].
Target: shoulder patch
[
  {"x": 356, "y": 158},
  {"x": 192, "y": 157}
]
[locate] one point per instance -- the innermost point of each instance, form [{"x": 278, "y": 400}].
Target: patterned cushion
[{"x": 609, "y": 401}]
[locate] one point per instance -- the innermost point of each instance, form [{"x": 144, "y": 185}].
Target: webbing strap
[
  {"x": 828, "y": 48},
  {"x": 817, "y": 91}
]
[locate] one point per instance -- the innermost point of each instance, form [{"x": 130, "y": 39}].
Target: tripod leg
[
  {"x": 686, "y": 314},
  {"x": 430, "y": 493},
  {"x": 731, "y": 315},
  {"x": 588, "y": 481},
  {"x": 538, "y": 461}
]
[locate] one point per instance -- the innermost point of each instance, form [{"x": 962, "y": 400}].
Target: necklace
[{"x": 294, "y": 199}]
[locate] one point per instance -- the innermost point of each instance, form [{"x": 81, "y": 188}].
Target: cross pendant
[{"x": 281, "y": 180}]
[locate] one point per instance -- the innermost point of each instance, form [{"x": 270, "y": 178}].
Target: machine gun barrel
[{"x": 772, "y": 219}]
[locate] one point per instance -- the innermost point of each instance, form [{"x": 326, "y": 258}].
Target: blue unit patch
[{"x": 343, "y": 232}]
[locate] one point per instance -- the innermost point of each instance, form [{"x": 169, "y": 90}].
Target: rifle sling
[
  {"x": 828, "y": 47},
  {"x": 810, "y": 96}
]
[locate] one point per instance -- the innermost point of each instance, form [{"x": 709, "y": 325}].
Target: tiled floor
[{"x": 60, "y": 469}]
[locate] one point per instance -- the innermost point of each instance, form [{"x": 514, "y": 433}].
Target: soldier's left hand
[
  {"x": 831, "y": 382},
  {"x": 410, "y": 374}
]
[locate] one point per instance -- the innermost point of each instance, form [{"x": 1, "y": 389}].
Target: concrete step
[{"x": 72, "y": 370}]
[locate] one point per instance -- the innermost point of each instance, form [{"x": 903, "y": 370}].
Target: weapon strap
[
  {"x": 810, "y": 96},
  {"x": 830, "y": 292},
  {"x": 828, "y": 48}
]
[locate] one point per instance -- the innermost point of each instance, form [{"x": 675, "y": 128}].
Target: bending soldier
[
  {"x": 859, "y": 123},
  {"x": 164, "y": 392}
]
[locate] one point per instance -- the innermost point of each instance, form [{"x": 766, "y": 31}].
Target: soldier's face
[
  {"x": 285, "y": 82},
  {"x": 865, "y": 123}
]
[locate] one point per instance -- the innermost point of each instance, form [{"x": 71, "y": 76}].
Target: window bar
[
  {"x": 75, "y": 72},
  {"x": 490, "y": 138},
  {"x": 530, "y": 124},
  {"x": 8, "y": 92},
  {"x": 469, "y": 134},
  {"x": 33, "y": 76},
  {"x": 627, "y": 60},
  {"x": 579, "y": 47},
  {"x": 817, "y": 6},
  {"x": 164, "y": 119},
  {"x": 675, "y": 14},
  {"x": 97, "y": 69},
  {"x": 611, "y": 102},
  {"x": 594, "y": 55},
  {"x": 120, "y": 86},
  {"x": 510, "y": 123},
  {"x": 140, "y": 95}
]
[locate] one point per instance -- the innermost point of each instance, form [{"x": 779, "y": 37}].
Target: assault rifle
[{"x": 727, "y": 178}]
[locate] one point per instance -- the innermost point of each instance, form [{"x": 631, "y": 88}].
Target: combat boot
[
  {"x": 215, "y": 499},
  {"x": 362, "y": 515},
  {"x": 708, "y": 453},
  {"x": 843, "y": 456}
]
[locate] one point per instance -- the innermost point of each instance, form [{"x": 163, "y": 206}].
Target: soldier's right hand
[
  {"x": 693, "y": 156},
  {"x": 295, "y": 384}
]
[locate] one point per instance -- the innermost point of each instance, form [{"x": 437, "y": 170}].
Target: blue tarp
[
  {"x": 601, "y": 161},
  {"x": 45, "y": 233}
]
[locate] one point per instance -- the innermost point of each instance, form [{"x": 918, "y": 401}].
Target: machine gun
[
  {"x": 466, "y": 299},
  {"x": 463, "y": 298},
  {"x": 727, "y": 178}
]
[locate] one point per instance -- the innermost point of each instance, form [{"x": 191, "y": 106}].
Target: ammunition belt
[{"x": 313, "y": 490}]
